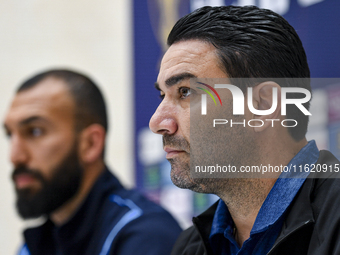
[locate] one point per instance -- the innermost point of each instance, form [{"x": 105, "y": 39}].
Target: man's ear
[
  {"x": 266, "y": 99},
  {"x": 91, "y": 143}
]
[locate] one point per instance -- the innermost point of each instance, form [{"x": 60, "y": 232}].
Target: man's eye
[
  {"x": 36, "y": 132},
  {"x": 184, "y": 92},
  {"x": 161, "y": 96}
]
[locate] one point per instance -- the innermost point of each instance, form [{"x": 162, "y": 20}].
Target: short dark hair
[
  {"x": 89, "y": 102},
  {"x": 251, "y": 43}
]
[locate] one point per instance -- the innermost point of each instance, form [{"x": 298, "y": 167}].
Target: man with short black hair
[
  {"x": 57, "y": 126},
  {"x": 253, "y": 53}
]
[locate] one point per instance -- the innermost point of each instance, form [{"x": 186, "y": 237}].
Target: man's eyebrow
[
  {"x": 32, "y": 119},
  {"x": 173, "y": 80},
  {"x": 26, "y": 122}
]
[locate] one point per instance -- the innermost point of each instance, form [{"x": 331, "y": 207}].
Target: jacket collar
[
  {"x": 300, "y": 216},
  {"x": 203, "y": 224}
]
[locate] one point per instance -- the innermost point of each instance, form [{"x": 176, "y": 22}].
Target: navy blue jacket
[{"x": 112, "y": 220}]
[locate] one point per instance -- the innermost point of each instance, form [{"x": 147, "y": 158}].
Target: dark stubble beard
[
  {"x": 54, "y": 192},
  {"x": 235, "y": 192},
  {"x": 180, "y": 168},
  {"x": 235, "y": 147}
]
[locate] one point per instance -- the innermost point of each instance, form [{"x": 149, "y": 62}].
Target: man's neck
[
  {"x": 244, "y": 203},
  {"x": 67, "y": 210},
  {"x": 245, "y": 198}
]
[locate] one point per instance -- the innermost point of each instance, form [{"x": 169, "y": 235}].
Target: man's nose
[
  {"x": 164, "y": 120},
  {"x": 18, "y": 152}
]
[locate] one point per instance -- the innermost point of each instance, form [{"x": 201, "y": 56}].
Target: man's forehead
[
  {"x": 187, "y": 52},
  {"x": 50, "y": 90},
  {"x": 50, "y": 96},
  {"x": 47, "y": 88},
  {"x": 192, "y": 56}
]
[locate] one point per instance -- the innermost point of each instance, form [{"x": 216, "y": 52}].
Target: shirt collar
[{"x": 222, "y": 219}]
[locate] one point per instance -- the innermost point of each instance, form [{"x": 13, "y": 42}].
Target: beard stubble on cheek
[
  {"x": 180, "y": 166},
  {"x": 180, "y": 174},
  {"x": 54, "y": 192},
  {"x": 181, "y": 177}
]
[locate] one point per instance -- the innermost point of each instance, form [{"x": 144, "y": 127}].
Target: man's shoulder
[
  {"x": 138, "y": 225},
  {"x": 312, "y": 220},
  {"x": 131, "y": 199},
  {"x": 119, "y": 201},
  {"x": 323, "y": 184},
  {"x": 130, "y": 222},
  {"x": 116, "y": 196},
  {"x": 322, "y": 187}
]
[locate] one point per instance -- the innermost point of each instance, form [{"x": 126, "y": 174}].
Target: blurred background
[{"x": 120, "y": 44}]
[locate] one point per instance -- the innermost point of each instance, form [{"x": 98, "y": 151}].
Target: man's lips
[
  {"x": 172, "y": 152},
  {"x": 24, "y": 180}
]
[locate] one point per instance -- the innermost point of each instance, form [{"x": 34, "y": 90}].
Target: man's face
[
  {"x": 41, "y": 129},
  {"x": 182, "y": 61}
]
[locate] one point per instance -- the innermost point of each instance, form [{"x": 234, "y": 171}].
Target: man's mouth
[
  {"x": 24, "y": 180},
  {"x": 172, "y": 152}
]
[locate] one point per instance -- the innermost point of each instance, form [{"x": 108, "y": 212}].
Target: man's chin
[
  {"x": 182, "y": 183},
  {"x": 183, "y": 180},
  {"x": 26, "y": 210},
  {"x": 32, "y": 203}
]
